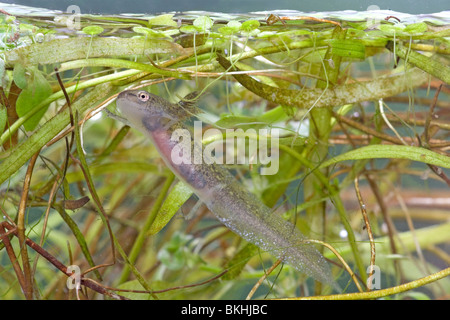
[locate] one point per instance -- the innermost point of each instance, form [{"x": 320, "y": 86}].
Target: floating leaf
[
  {"x": 416, "y": 28},
  {"x": 92, "y": 30},
  {"x": 234, "y": 24},
  {"x": 203, "y": 23},
  {"x": 390, "y": 30},
  {"x": 19, "y": 76},
  {"x": 227, "y": 31},
  {"x": 38, "y": 89},
  {"x": 162, "y": 20},
  {"x": 250, "y": 25}
]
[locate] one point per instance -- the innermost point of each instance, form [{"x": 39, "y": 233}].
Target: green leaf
[
  {"x": 203, "y": 23},
  {"x": 240, "y": 259},
  {"x": 348, "y": 48},
  {"x": 416, "y": 28},
  {"x": 149, "y": 32},
  {"x": 353, "y": 33},
  {"x": 175, "y": 199},
  {"x": 162, "y": 20},
  {"x": 141, "y": 30},
  {"x": 252, "y": 33},
  {"x": 190, "y": 29},
  {"x": 37, "y": 90},
  {"x": 227, "y": 31},
  {"x": 390, "y": 30},
  {"x": 392, "y": 152},
  {"x": 92, "y": 30},
  {"x": 230, "y": 121},
  {"x": 234, "y": 24},
  {"x": 19, "y": 76},
  {"x": 250, "y": 25}
]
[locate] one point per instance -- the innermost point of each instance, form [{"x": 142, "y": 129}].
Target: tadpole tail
[{"x": 244, "y": 214}]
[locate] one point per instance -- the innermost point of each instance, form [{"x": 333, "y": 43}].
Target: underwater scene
[{"x": 222, "y": 154}]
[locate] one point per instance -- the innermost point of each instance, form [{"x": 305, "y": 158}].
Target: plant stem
[
  {"x": 118, "y": 63},
  {"x": 384, "y": 292},
  {"x": 28, "y": 289},
  {"x": 62, "y": 50},
  {"x": 139, "y": 242},
  {"x": 428, "y": 64},
  {"x": 48, "y": 131}
]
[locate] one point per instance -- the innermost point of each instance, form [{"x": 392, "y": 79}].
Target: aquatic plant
[{"x": 88, "y": 193}]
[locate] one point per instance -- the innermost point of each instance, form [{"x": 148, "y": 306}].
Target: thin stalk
[
  {"x": 333, "y": 195},
  {"x": 28, "y": 289},
  {"x": 346, "y": 266},
  {"x": 140, "y": 240},
  {"x": 384, "y": 292},
  {"x": 319, "y": 132},
  {"x": 4, "y": 236},
  {"x": 91, "y": 186},
  {"x": 261, "y": 280},
  {"x": 369, "y": 231}
]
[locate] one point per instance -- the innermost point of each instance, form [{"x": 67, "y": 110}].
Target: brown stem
[
  {"x": 366, "y": 129},
  {"x": 12, "y": 257},
  {"x": 28, "y": 289},
  {"x": 89, "y": 283},
  {"x": 369, "y": 231}
]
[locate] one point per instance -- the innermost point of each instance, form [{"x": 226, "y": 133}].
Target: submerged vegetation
[{"x": 90, "y": 210}]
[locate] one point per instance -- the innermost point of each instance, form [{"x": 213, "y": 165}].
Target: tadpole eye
[{"x": 143, "y": 96}]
